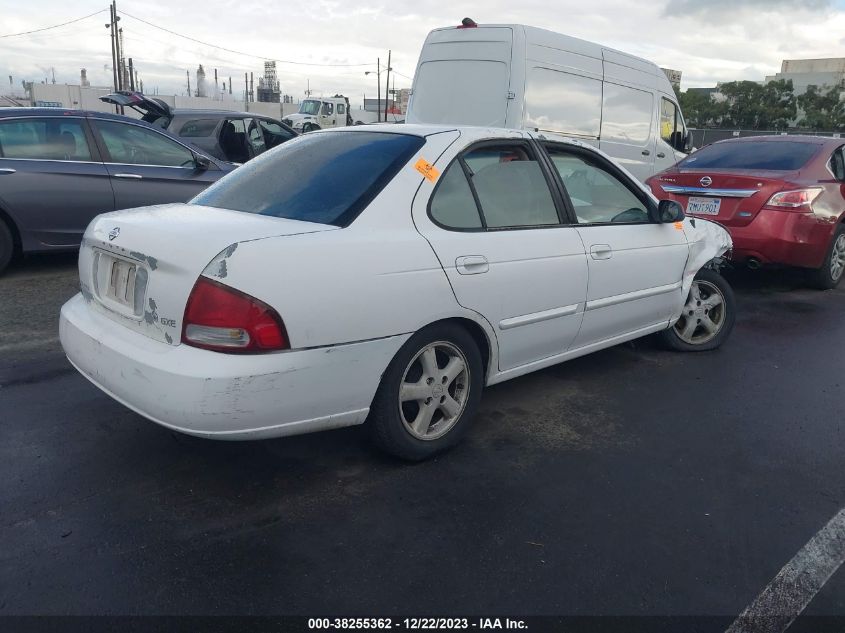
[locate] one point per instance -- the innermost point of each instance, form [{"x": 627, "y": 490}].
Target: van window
[
  {"x": 462, "y": 92},
  {"x": 626, "y": 115},
  {"x": 324, "y": 178},
  {"x": 672, "y": 128},
  {"x": 563, "y": 102}
]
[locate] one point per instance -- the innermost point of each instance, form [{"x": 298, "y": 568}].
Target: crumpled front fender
[{"x": 707, "y": 240}]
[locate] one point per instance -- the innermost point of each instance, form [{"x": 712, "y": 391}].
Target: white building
[{"x": 829, "y": 73}]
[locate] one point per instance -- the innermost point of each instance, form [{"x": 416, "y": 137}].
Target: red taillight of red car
[
  {"x": 223, "y": 319},
  {"x": 795, "y": 200}
]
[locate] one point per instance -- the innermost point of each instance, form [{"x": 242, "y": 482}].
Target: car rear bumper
[
  {"x": 225, "y": 396},
  {"x": 783, "y": 237}
]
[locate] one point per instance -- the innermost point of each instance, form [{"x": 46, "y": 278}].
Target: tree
[
  {"x": 822, "y": 110},
  {"x": 700, "y": 110},
  {"x": 755, "y": 106}
]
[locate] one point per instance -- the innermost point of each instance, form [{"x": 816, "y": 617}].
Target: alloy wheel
[
  {"x": 434, "y": 390},
  {"x": 703, "y": 314},
  {"x": 837, "y": 258}
]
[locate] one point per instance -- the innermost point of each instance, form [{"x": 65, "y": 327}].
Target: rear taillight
[
  {"x": 223, "y": 319},
  {"x": 796, "y": 199}
]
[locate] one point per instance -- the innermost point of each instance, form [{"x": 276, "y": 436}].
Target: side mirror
[
  {"x": 687, "y": 143},
  {"x": 669, "y": 211},
  {"x": 201, "y": 162}
]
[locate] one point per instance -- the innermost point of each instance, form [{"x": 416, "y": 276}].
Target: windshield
[
  {"x": 762, "y": 155},
  {"x": 309, "y": 106},
  {"x": 326, "y": 177}
]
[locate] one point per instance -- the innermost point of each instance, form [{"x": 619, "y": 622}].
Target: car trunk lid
[
  {"x": 138, "y": 267},
  {"x": 150, "y": 107},
  {"x": 732, "y": 198}
]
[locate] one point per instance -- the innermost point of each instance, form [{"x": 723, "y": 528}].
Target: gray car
[
  {"x": 233, "y": 136},
  {"x": 60, "y": 168}
]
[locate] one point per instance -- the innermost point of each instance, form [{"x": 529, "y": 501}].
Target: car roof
[
  {"x": 57, "y": 112},
  {"x": 783, "y": 138},
  {"x": 215, "y": 113}
]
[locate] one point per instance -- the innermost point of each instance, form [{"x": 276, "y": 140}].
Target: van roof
[{"x": 545, "y": 37}]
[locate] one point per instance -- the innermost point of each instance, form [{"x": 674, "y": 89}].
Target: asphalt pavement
[{"x": 634, "y": 481}]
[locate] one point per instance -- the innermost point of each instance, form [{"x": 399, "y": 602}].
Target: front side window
[
  {"x": 597, "y": 196},
  {"x": 324, "y": 178},
  {"x": 129, "y": 144},
  {"x": 672, "y": 127},
  {"x": 328, "y": 109},
  {"x": 274, "y": 133},
  {"x": 509, "y": 184},
  {"x": 46, "y": 139},
  {"x": 256, "y": 138}
]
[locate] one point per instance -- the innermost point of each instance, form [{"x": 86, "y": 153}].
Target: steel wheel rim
[
  {"x": 837, "y": 258},
  {"x": 434, "y": 390},
  {"x": 703, "y": 315}
]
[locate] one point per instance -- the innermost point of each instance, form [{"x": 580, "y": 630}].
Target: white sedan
[{"x": 384, "y": 274}]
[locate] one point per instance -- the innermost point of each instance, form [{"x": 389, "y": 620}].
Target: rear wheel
[
  {"x": 830, "y": 274},
  {"x": 428, "y": 394},
  {"x": 708, "y": 316},
  {"x": 7, "y": 246}
]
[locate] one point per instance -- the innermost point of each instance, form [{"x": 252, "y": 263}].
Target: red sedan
[{"x": 782, "y": 198}]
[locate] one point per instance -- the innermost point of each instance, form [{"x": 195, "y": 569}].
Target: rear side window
[
  {"x": 47, "y": 139},
  {"x": 508, "y": 183},
  {"x": 764, "y": 155},
  {"x": 198, "y": 128},
  {"x": 326, "y": 177}
]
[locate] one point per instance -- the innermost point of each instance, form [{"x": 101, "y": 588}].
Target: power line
[
  {"x": 229, "y": 50},
  {"x": 55, "y": 26}
]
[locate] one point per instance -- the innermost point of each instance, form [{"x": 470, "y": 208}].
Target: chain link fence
[{"x": 705, "y": 136}]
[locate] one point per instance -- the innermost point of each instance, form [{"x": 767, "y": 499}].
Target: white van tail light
[
  {"x": 797, "y": 199},
  {"x": 222, "y": 319}
]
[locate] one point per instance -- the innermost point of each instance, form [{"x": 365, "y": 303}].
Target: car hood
[{"x": 300, "y": 118}]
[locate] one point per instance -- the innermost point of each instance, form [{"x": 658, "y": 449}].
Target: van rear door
[{"x": 463, "y": 77}]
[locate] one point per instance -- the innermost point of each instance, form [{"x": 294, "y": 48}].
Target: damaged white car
[{"x": 384, "y": 275}]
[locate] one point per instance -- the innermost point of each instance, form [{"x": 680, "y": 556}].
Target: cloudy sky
[{"x": 709, "y": 40}]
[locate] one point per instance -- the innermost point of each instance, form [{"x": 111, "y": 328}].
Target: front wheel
[
  {"x": 7, "y": 246},
  {"x": 428, "y": 394},
  {"x": 830, "y": 274},
  {"x": 707, "y": 318},
  {"x": 309, "y": 127}
]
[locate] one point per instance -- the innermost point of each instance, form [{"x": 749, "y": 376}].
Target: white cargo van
[{"x": 523, "y": 77}]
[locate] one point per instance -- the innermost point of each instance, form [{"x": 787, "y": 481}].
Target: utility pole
[
  {"x": 230, "y": 84},
  {"x": 131, "y": 76},
  {"x": 387, "y": 86},
  {"x": 251, "y": 88},
  {"x": 115, "y": 50},
  {"x": 188, "y": 75},
  {"x": 246, "y": 91},
  {"x": 216, "y": 88},
  {"x": 378, "y": 81}
]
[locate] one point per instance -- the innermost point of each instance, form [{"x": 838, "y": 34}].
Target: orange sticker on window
[
  {"x": 679, "y": 226},
  {"x": 427, "y": 169}
]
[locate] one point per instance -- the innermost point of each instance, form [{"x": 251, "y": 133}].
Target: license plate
[
  {"x": 121, "y": 282},
  {"x": 704, "y": 206}
]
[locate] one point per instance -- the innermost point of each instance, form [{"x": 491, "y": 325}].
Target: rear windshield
[
  {"x": 765, "y": 155},
  {"x": 319, "y": 177}
]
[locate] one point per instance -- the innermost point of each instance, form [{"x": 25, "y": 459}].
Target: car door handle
[
  {"x": 136, "y": 176},
  {"x": 646, "y": 152},
  {"x": 6, "y": 170},
  {"x": 601, "y": 251},
  {"x": 661, "y": 155},
  {"x": 472, "y": 264}
]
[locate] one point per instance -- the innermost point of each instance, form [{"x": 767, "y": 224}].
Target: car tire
[
  {"x": 440, "y": 371},
  {"x": 830, "y": 274},
  {"x": 708, "y": 316},
  {"x": 7, "y": 246}
]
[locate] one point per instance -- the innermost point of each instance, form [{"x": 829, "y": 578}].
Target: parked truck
[{"x": 320, "y": 114}]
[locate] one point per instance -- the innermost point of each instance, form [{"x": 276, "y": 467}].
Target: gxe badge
[{"x": 114, "y": 233}]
